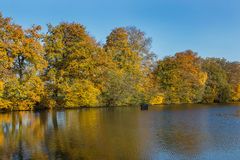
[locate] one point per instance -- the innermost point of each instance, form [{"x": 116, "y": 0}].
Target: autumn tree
[
  {"x": 127, "y": 79},
  {"x": 70, "y": 52},
  {"x": 180, "y": 78},
  {"x": 22, "y": 62},
  {"x": 217, "y": 87},
  {"x": 233, "y": 73},
  {"x": 141, "y": 44}
]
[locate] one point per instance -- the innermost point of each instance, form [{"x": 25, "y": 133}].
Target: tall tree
[
  {"x": 70, "y": 51},
  {"x": 141, "y": 44},
  {"x": 125, "y": 79},
  {"x": 22, "y": 62}
]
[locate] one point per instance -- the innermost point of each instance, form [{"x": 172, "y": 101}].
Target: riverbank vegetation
[{"x": 66, "y": 67}]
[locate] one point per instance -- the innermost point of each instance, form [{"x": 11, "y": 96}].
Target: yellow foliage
[
  {"x": 5, "y": 104},
  {"x": 1, "y": 138},
  {"x": 24, "y": 95},
  {"x": 202, "y": 78},
  {"x": 81, "y": 93},
  {"x": 236, "y": 93},
  {"x": 158, "y": 99},
  {"x": 1, "y": 87}
]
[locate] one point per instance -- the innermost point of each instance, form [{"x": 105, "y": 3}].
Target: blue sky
[{"x": 209, "y": 27}]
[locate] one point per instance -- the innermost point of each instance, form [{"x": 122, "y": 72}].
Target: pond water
[{"x": 169, "y": 132}]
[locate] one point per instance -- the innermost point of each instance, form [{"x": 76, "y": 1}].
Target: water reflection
[{"x": 121, "y": 133}]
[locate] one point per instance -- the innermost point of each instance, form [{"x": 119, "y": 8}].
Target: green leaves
[{"x": 217, "y": 86}]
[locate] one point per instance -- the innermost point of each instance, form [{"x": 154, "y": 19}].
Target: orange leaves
[
  {"x": 181, "y": 78},
  {"x": 22, "y": 62}
]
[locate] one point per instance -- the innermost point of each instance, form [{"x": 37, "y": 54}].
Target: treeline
[{"x": 66, "y": 67}]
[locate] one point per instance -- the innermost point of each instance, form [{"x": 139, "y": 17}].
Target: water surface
[{"x": 171, "y": 132}]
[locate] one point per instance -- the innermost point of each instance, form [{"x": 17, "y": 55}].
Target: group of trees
[
  {"x": 66, "y": 67},
  {"x": 188, "y": 78}
]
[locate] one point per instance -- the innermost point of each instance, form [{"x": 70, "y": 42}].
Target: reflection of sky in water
[
  {"x": 198, "y": 133},
  {"x": 176, "y": 132},
  {"x": 61, "y": 118}
]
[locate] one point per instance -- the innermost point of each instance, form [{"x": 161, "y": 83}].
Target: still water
[{"x": 170, "y": 132}]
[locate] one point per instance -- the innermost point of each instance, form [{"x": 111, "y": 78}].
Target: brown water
[{"x": 171, "y": 132}]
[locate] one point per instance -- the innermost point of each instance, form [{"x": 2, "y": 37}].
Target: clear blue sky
[{"x": 209, "y": 27}]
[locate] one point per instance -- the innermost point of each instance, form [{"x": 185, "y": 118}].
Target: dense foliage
[{"x": 66, "y": 67}]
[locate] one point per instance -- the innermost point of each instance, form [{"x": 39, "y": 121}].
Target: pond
[{"x": 162, "y": 132}]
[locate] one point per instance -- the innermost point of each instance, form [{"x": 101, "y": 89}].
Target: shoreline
[{"x": 4, "y": 110}]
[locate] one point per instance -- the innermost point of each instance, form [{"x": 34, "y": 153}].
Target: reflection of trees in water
[
  {"x": 75, "y": 134},
  {"x": 22, "y": 135},
  {"x": 91, "y": 134},
  {"x": 100, "y": 134},
  {"x": 182, "y": 133},
  {"x": 182, "y": 140}
]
